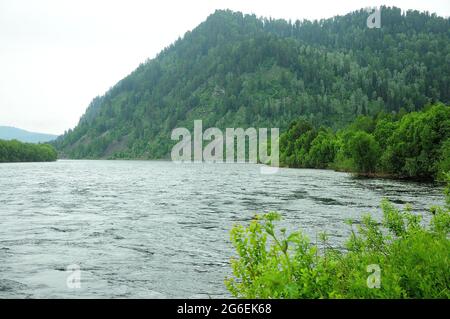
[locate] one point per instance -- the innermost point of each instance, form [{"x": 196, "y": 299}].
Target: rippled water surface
[{"x": 147, "y": 229}]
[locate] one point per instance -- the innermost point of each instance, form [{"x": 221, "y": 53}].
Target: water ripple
[{"x": 147, "y": 229}]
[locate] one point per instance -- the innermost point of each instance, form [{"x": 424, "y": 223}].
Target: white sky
[{"x": 56, "y": 55}]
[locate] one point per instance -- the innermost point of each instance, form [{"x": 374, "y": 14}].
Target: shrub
[{"x": 413, "y": 259}]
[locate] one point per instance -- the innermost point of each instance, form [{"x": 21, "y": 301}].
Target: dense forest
[
  {"x": 412, "y": 145},
  {"x": 15, "y": 151},
  {"x": 237, "y": 70}
]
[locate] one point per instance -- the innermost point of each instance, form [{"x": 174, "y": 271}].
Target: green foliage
[
  {"x": 447, "y": 191},
  {"x": 296, "y": 143},
  {"x": 364, "y": 151},
  {"x": 443, "y": 165},
  {"x": 414, "y": 148},
  {"x": 415, "y": 145},
  {"x": 238, "y": 70},
  {"x": 323, "y": 150},
  {"x": 15, "y": 151},
  {"x": 413, "y": 259}
]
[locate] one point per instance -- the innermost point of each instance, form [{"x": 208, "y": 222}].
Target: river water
[{"x": 151, "y": 229}]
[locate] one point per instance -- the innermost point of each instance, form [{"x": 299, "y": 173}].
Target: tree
[
  {"x": 365, "y": 152},
  {"x": 15, "y": 151},
  {"x": 323, "y": 150}
]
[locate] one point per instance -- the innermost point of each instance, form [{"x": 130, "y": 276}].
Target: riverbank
[
  {"x": 15, "y": 151},
  {"x": 377, "y": 254},
  {"x": 413, "y": 146}
]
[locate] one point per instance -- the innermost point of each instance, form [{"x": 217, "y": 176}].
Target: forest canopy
[
  {"x": 15, "y": 151},
  {"x": 414, "y": 145}
]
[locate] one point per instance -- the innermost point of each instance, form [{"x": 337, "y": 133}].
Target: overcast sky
[{"x": 56, "y": 55}]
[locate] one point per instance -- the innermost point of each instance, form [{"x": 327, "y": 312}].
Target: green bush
[
  {"x": 365, "y": 152},
  {"x": 412, "y": 259},
  {"x": 413, "y": 145},
  {"x": 15, "y": 151}
]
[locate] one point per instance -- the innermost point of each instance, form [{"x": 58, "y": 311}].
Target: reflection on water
[{"x": 147, "y": 229}]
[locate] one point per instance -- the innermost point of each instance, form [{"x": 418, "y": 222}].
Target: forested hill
[{"x": 237, "y": 70}]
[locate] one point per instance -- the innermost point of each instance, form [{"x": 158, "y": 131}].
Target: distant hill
[
  {"x": 237, "y": 70},
  {"x": 13, "y": 133}
]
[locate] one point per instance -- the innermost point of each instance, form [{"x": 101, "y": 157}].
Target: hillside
[
  {"x": 237, "y": 70},
  {"x": 12, "y": 133}
]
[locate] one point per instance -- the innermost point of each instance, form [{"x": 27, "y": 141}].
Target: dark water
[{"x": 157, "y": 229}]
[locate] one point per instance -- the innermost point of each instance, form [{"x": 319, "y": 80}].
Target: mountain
[
  {"x": 237, "y": 70},
  {"x": 12, "y": 133}
]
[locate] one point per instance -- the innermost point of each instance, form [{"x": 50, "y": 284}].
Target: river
[{"x": 155, "y": 229}]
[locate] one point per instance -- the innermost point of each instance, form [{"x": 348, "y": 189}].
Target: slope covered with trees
[
  {"x": 15, "y": 151},
  {"x": 237, "y": 70}
]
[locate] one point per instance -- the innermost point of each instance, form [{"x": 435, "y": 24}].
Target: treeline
[
  {"x": 414, "y": 145},
  {"x": 15, "y": 151},
  {"x": 237, "y": 70}
]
